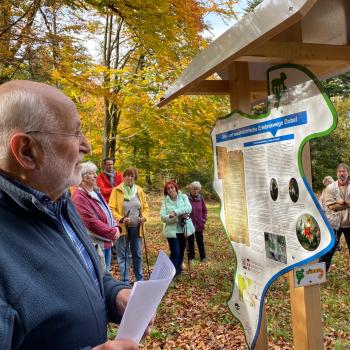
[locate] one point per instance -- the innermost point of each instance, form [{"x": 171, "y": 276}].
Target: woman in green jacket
[{"x": 178, "y": 226}]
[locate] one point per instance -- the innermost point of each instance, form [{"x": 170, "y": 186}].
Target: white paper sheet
[{"x": 144, "y": 300}]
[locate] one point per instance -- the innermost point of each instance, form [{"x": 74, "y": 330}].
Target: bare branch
[{"x": 18, "y": 20}]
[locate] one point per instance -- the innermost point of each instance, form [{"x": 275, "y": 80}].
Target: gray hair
[
  {"x": 344, "y": 166},
  {"x": 24, "y": 109},
  {"x": 328, "y": 179},
  {"x": 195, "y": 184},
  {"x": 87, "y": 167}
]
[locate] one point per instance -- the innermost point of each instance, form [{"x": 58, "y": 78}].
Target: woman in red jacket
[{"x": 95, "y": 212}]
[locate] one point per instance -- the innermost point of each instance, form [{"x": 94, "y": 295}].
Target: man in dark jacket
[{"x": 53, "y": 294}]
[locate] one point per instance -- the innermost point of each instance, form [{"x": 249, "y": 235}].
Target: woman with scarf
[
  {"x": 178, "y": 226},
  {"x": 95, "y": 212},
  {"x": 199, "y": 215},
  {"x": 128, "y": 204}
]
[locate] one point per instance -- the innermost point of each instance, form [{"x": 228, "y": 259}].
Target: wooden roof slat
[
  {"x": 222, "y": 87},
  {"x": 302, "y": 53}
]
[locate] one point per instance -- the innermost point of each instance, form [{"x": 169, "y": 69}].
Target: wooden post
[
  {"x": 239, "y": 83},
  {"x": 306, "y": 316},
  {"x": 262, "y": 341},
  {"x": 306, "y": 301}
]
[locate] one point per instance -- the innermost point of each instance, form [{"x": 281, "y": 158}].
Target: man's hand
[
  {"x": 122, "y": 344},
  {"x": 121, "y": 300},
  {"x": 337, "y": 207},
  {"x": 149, "y": 327}
]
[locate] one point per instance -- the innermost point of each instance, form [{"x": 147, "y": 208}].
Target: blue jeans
[
  {"x": 177, "y": 249},
  {"x": 131, "y": 238},
  {"x": 107, "y": 253}
]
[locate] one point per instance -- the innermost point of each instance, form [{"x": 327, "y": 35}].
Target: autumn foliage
[{"x": 115, "y": 59}]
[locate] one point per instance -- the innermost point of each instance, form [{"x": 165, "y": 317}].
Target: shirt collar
[
  {"x": 346, "y": 183},
  {"x": 42, "y": 198}
]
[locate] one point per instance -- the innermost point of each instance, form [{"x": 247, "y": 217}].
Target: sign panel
[
  {"x": 269, "y": 212},
  {"x": 308, "y": 275}
]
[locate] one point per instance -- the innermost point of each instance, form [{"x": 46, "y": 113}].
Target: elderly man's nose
[{"x": 84, "y": 145}]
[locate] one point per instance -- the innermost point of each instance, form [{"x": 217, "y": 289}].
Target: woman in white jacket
[{"x": 178, "y": 226}]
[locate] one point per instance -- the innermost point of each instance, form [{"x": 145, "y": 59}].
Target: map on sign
[
  {"x": 310, "y": 274},
  {"x": 268, "y": 209}
]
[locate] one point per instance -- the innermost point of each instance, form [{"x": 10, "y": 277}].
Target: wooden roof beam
[
  {"x": 210, "y": 87},
  {"x": 222, "y": 87},
  {"x": 301, "y": 53}
]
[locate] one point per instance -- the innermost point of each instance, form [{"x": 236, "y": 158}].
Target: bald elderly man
[{"x": 53, "y": 295}]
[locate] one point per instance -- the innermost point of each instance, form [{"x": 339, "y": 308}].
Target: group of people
[
  {"x": 335, "y": 201},
  {"x": 54, "y": 291},
  {"x": 114, "y": 210},
  {"x": 184, "y": 218}
]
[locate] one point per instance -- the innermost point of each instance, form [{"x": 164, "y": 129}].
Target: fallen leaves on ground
[{"x": 194, "y": 315}]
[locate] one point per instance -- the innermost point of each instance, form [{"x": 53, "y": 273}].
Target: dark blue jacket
[{"x": 47, "y": 297}]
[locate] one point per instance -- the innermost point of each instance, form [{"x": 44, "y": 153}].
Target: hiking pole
[
  {"x": 187, "y": 248},
  {"x": 144, "y": 243},
  {"x": 126, "y": 244}
]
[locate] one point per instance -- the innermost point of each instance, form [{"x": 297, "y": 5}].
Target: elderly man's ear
[{"x": 26, "y": 150}]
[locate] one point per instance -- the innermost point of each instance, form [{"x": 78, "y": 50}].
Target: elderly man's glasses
[{"x": 78, "y": 134}]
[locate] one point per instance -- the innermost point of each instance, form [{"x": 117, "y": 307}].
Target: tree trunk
[
  {"x": 148, "y": 182},
  {"x": 5, "y": 29},
  {"x": 112, "y": 111}
]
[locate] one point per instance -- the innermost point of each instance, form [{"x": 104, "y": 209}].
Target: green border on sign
[{"x": 300, "y": 150}]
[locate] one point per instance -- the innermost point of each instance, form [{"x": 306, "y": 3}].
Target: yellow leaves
[
  {"x": 55, "y": 74},
  {"x": 92, "y": 26}
]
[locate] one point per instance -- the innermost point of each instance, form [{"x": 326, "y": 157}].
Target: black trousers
[
  {"x": 177, "y": 249},
  {"x": 200, "y": 244},
  {"x": 328, "y": 257}
]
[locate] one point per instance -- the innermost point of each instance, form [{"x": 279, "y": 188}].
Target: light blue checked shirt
[
  {"x": 80, "y": 248},
  {"x": 54, "y": 209}
]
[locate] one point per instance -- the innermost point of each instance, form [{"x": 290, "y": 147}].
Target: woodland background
[{"x": 143, "y": 46}]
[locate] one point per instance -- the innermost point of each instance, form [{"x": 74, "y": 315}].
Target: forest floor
[{"x": 194, "y": 314}]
